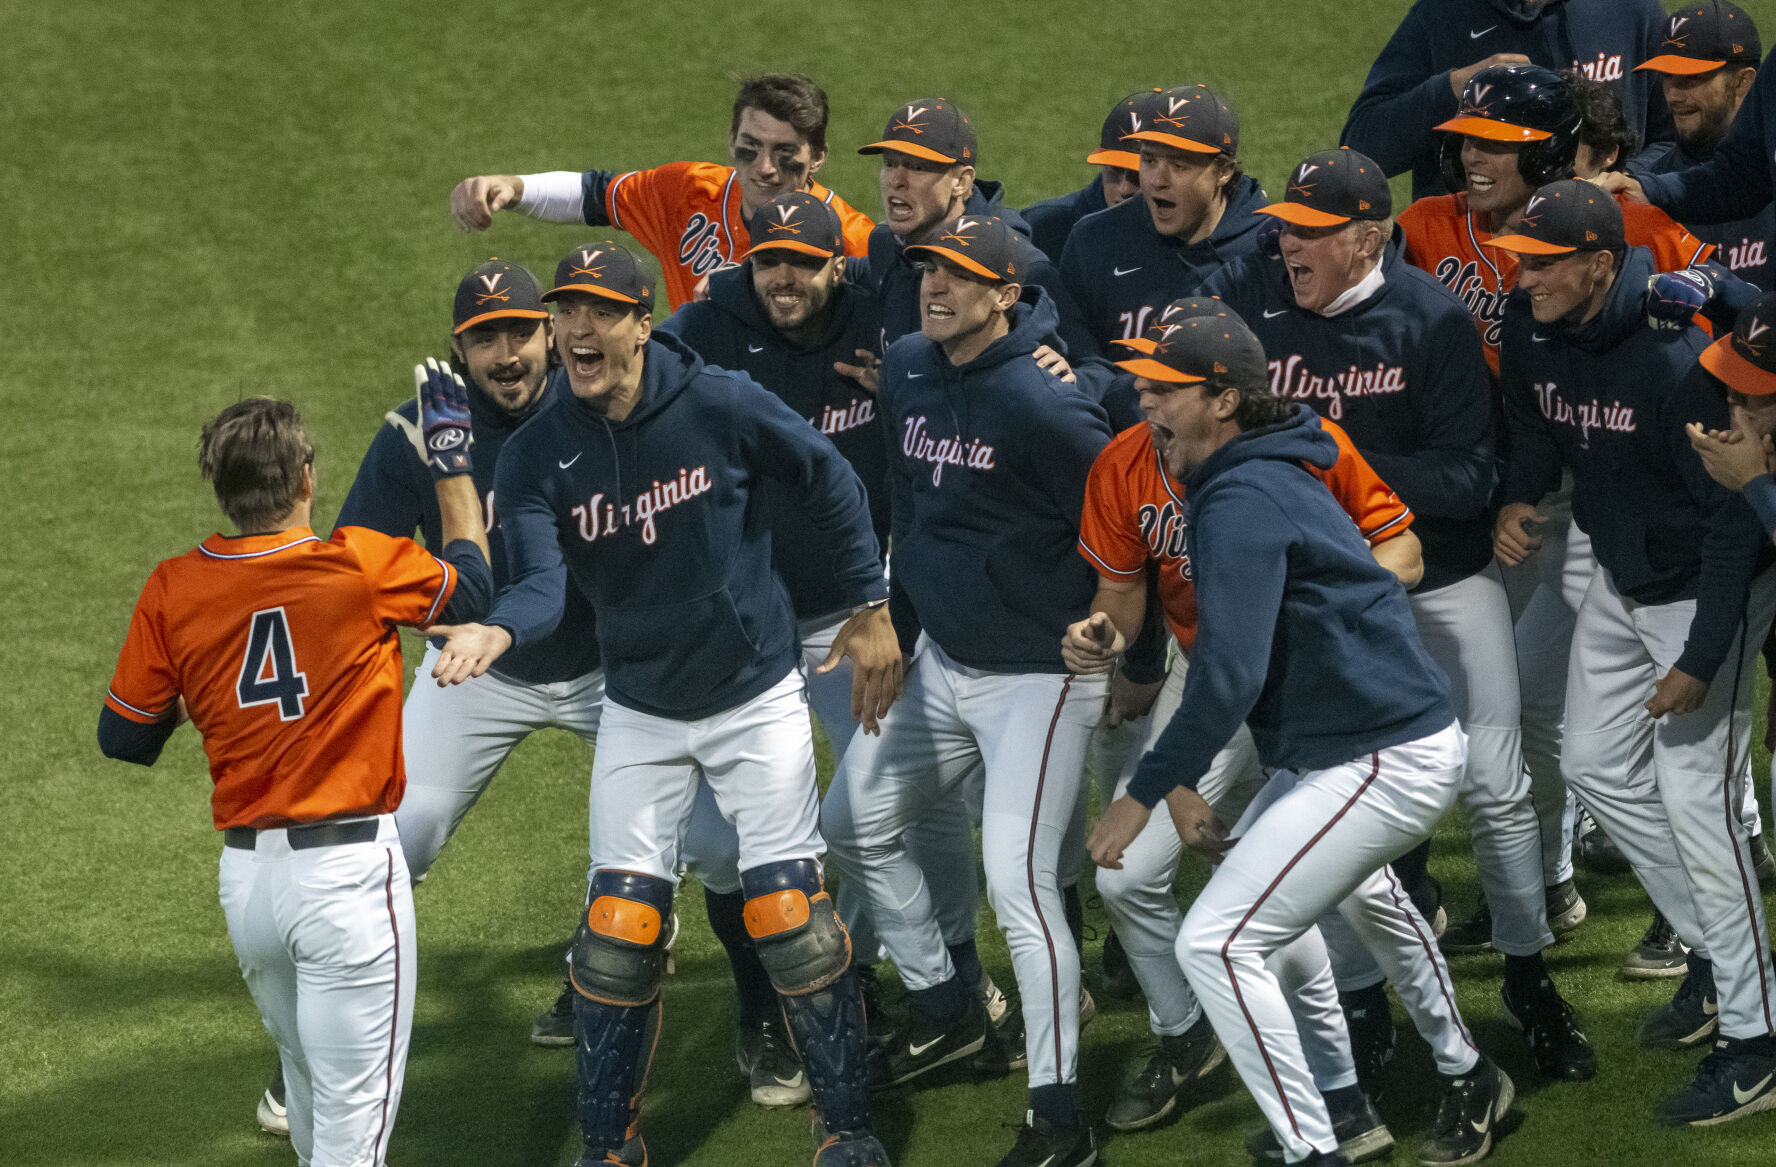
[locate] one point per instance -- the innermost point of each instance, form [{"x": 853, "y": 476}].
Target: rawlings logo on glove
[{"x": 442, "y": 439}]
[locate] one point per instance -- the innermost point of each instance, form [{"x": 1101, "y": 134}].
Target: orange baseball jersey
[
  {"x": 688, "y": 215},
  {"x": 1443, "y": 238},
  {"x": 285, "y": 650},
  {"x": 1134, "y": 514}
]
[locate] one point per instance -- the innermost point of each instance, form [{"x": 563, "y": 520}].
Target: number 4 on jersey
[{"x": 268, "y": 674}]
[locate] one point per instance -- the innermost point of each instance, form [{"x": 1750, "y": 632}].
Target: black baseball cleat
[
  {"x": 768, "y": 1058},
  {"x": 554, "y": 1026},
  {"x": 1178, "y": 1062},
  {"x": 1040, "y": 1144},
  {"x": 1690, "y": 1017},
  {"x": 1427, "y": 896},
  {"x": 1737, "y": 1078},
  {"x": 1119, "y": 974},
  {"x": 1468, "y": 1117},
  {"x": 1473, "y": 934},
  {"x": 273, "y": 1118},
  {"x": 633, "y": 1154},
  {"x": 851, "y": 1149},
  {"x": 1659, "y": 954},
  {"x": 1556, "y": 1044},
  {"x": 1370, "y": 1021},
  {"x": 920, "y": 1046},
  {"x": 1566, "y": 908},
  {"x": 1361, "y": 1134},
  {"x": 1597, "y": 849}
]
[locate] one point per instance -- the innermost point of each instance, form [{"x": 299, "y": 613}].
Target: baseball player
[
  {"x": 1658, "y": 713},
  {"x": 1304, "y": 637},
  {"x": 987, "y": 470},
  {"x": 691, "y": 216},
  {"x": 643, "y": 493},
  {"x": 283, "y": 650},
  {"x": 1052, "y": 220},
  {"x": 1377, "y": 346},
  {"x": 1441, "y": 45},
  {"x": 1124, "y": 264},
  {"x": 929, "y": 155}
]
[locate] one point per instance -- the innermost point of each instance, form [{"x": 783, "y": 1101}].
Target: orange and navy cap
[
  {"x": 1331, "y": 188},
  {"x": 1745, "y": 359},
  {"x": 1564, "y": 217},
  {"x": 493, "y": 291},
  {"x": 1192, "y": 118},
  {"x": 983, "y": 244},
  {"x": 931, "y": 128},
  {"x": 1129, "y": 116},
  {"x": 603, "y": 269},
  {"x": 1700, "y": 38},
  {"x": 796, "y": 221},
  {"x": 1198, "y": 340}
]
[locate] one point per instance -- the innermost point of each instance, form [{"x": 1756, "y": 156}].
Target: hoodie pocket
[{"x": 674, "y": 656}]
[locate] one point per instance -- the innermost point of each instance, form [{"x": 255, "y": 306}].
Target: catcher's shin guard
[
  {"x": 615, "y": 968},
  {"x": 808, "y": 954}
]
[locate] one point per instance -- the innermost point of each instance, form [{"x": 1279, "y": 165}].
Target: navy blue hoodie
[
  {"x": 1407, "y": 91},
  {"x": 657, "y": 519},
  {"x": 1741, "y": 245},
  {"x": 897, "y": 278},
  {"x": 1051, "y": 220},
  {"x": 1120, "y": 270},
  {"x": 1301, "y": 634},
  {"x": 393, "y": 494},
  {"x": 1610, "y": 399},
  {"x": 1404, "y": 374},
  {"x": 987, "y": 462},
  {"x": 732, "y": 330}
]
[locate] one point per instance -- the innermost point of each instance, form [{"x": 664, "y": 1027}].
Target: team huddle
[{"x": 1303, "y": 517}]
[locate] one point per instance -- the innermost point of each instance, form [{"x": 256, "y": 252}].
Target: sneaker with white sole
[
  {"x": 1690, "y": 1017},
  {"x": 1659, "y": 954},
  {"x": 1151, "y": 1096},
  {"x": 1468, "y": 1117},
  {"x": 274, "y": 1119},
  {"x": 768, "y": 1059}
]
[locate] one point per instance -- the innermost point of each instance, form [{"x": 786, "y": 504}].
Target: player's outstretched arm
[
  {"x": 469, "y": 650},
  {"x": 474, "y": 200},
  {"x": 877, "y": 667}
]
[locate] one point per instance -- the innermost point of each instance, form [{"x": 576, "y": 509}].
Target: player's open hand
[
  {"x": 1129, "y": 699},
  {"x": 877, "y": 669},
  {"x": 1050, "y": 361},
  {"x": 1616, "y": 182},
  {"x": 1196, "y": 824},
  {"x": 866, "y": 372},
  {"x": 1092, "y": 645},
  {"x": 1731, "y": 457},
  {"x": 1518, "y": 533},
  {"x": 1677, "y": 692},
  {"x": 469, "y": 650},
  {"x": 1459, "y": 78},
  {"x": 1115, "y": 829},
  {"x": 474, "y": 200}
]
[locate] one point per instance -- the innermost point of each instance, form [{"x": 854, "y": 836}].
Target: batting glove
[
  {"x": 1270, "y": 237},
  {"x": 1674, "y": 297},
  {"x": 442, "y": 438}
]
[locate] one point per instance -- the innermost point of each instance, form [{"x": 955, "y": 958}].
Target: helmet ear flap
[{"x": 1449, "y": 162}]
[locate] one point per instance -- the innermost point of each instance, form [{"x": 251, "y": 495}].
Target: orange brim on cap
[
  {"x": 1302, "y": 215},
  {"x": 789, "y": 245},
  {"x": 913, "y": 148},
  {"x": 958, "y": 258},
  {"x": 1173, "y": 140},
  {"x": 1154, "y": 371},
  {"x": 1492, "y": 131},
  {"x": 1524, "y": 245},
  {"x": 1683, "y": 66},
  {"x": 503, "y": 313},
  {"x": 1740, "y": 375},
  {"x": 1139, "y": 343},
  {"x": 590, "y": 290},
  {"x": 1123, "y": 158}
]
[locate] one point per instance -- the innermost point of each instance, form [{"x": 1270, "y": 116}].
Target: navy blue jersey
[
  {"x": 393, "y": 494},
  {"x": 1120, "y": 271},
  {"x": 896, "y": 279},
  {"x": 1407, "y": 91},
  {"x": 1404, "y": 374},
  {"x": 1609, "y": 400},
  {"x": 1301, "y": 634},
  {"x": 1051, "y": 220},
  {"x": 987, "y": 463},
  {"x": 1742, "y": 245},
  {"x": 731, "y": 330},
  {"x": 658, "y": 520}
]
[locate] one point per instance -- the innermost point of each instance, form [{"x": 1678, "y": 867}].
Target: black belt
[{"x": 302, "y": 838}]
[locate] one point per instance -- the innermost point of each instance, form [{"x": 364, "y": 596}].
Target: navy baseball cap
[
  {"x": 1331, "y": 188},
  {"x": 1213, "y": 346},
  {"x": 1745, "y": 358},
  {"x": 1192, "y": 118},
  {"x": 983, "y": 244},
  {"x": 1700, "y": 38},
  {"x": 931, "y": 128},
  {"x": 796, "y": 221},
  {"x": 603, "y": 269},
  {"x": 1564, "y": 217},
  {"x": 1128, "y": 117},
  {"x": 493, "y": 291}
]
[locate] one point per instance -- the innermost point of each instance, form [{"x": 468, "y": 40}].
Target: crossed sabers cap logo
[
  {"x": 962, "y": 225},
  {"x": 1172, "y": 117},
  {"x": 1674, "y": 38},
  {"x": 1301, "y": 186},
  {"x": 587, "y": 259},
  {"x": 1754, "y": 328},
  {"x": 907, "y": 123},
  {"x": 491, "y": 283},
  {"x": 784, "y": 221}
]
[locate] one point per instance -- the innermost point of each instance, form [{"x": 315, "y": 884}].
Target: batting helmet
[{"x": 1515, "y": 103}]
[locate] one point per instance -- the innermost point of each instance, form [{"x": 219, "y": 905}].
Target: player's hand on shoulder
[
  {"x": 1618, "y": 182},
  {"x": 1092, "y": 644},
  {"x": 469, "y": 650},
  {"x": 1116, "y": 828},
  {"x": 1677, "y": 692},
  {"x": 1129, "y": 699},
  {"x": 1050, "y": 361},
  {"x": 877, "y": 667},
  {"x": 867, "y": 372},
  {"x": 1732, "y": 457},
  {"x": 474, "y": 200},
  {"x": 1518, "y": 532}
]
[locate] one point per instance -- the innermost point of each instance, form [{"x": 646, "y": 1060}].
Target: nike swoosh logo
[
  {"x": 1124, "y": 271},
  {"x": 1538, "y": 339},
  {"x": 1480, "y": 1128},
  {"x": 1274, "y": 315},
  {"x": 570, "y": 461},
  {"x": 755, "y": 348},
  {"x": 1744, "y": 1096},
  {"x": 1474, "y": 36},
  {"x": 914, "y": 376},
  {"x": 916, "y": 1050},
  {"x": 1710, "y": 1008}
]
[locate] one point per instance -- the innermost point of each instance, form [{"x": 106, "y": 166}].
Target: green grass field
[{"x": 208, "y": 200}]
